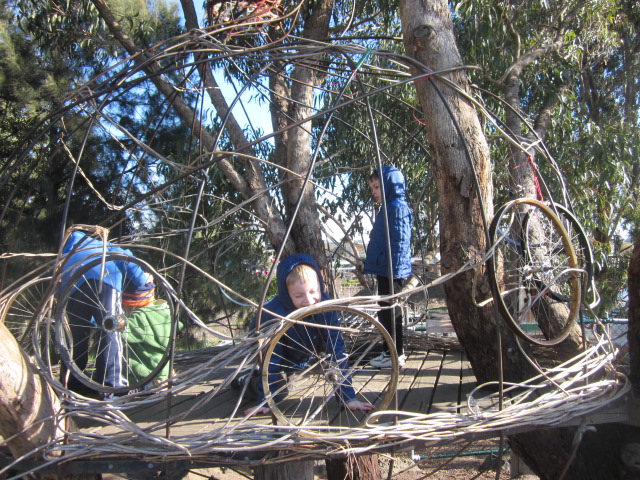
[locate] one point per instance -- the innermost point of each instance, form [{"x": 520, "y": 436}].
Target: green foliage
[
  {"x": 612, "y": 284},
  {"x": 26, "y": 83},
  {"x": 41, "y": 62},
  {"x": 581, "y": 96}
]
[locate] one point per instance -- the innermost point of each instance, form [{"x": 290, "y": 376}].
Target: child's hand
[
  {"x": 260, "y": 411},
  {"x": 358, "y": 405}
]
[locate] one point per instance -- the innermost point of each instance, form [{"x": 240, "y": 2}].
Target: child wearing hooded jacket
[
  {"x": 148, "y": 334},
  {"x": 300, "y": 284},
  {"x": 87, "y": 308},
  {"x": 377, "y": 261}
]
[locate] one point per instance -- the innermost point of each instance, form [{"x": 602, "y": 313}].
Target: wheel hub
[{"x": 114, "y": 323}]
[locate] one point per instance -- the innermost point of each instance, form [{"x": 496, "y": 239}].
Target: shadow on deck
[
  {"x": 205, "y": 418},
  {"x": 434, "y": 378}
]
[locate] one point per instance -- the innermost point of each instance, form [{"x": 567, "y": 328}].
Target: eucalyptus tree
[
  {"x": 567, "y": 75},
  {"x": 290, "y": 101},
  {"x": 461, "y": 151}
]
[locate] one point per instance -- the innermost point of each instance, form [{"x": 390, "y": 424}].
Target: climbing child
[
  {"x": 300, "y": 284},
  {"x": 95, "y": 297}
]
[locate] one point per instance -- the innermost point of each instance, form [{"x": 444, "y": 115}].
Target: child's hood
[
  {"x": 74, "y": 239},
  {"x": 285, "y": 267},
  {"x": 393, "y": 182}
]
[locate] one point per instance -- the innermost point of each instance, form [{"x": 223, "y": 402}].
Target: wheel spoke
[
  {"x": 534, "y": 272},
  {"x": 115, "y": 334},
  {"x": 317, "y": 379},
  {"x": 20, "y": 310}
]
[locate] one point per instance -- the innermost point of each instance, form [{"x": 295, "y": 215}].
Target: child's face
[
  {"x": 376, "y": 193},
  {"x": 304, "y": 294}
]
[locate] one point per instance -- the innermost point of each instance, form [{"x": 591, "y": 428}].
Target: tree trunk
[
  {"x": 302, "y": 470},
  {"x": 294, "y": 147},
  {"x": 354, "y": 468},
  {"x": 461, "y": 155},
  {"x": 249, "y": 184},
  {"x": 27, "y": 402}
]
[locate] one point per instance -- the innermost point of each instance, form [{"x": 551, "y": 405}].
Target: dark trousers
[
  {"x": 277, "y": 382},
  {"x": 387, "y": 316},
  {"x": 86, "y": 311}
]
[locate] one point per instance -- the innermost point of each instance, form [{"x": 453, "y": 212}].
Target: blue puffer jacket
[
  {"x": 292, "y": 353},
  {"x": 90, "y": 249},
  {"x": 400, "y": 218}
]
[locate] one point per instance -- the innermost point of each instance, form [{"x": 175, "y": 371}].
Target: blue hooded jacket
[
  {"x": 88, "y": 249},
  {"x": 292, "y": 352},
  {"x": 400, "y": 218}
]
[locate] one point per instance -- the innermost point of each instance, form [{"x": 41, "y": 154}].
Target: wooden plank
[
  {"x": 418, "y": 399},
  {"x": 447, "y": 391},
  {"x": 623, "y": 410},
  {"x": 467, "y": 382},
  {"x": 197, "y": 412},
  {"x": 422, "y": 383},
  {"x": 408, "y": 375}
]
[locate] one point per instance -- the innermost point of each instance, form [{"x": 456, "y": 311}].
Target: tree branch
[{"x": 248, "y": 187}]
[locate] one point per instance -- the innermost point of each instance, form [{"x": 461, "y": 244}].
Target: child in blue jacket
[
  {"x": 300, "y": 284},
  {"x": 377, "y": 260},
  {"x": 96, "y": 296}
]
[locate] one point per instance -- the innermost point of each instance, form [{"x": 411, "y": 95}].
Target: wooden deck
[
  {"x": 434, "y": 378},
  {"x": 431, "y": 380},
  {"x": 437, "y": 377}
]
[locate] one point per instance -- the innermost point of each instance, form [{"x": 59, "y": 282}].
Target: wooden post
[
  {"x": 300, "y": 470},
  {"x": 364, "y": 467}
]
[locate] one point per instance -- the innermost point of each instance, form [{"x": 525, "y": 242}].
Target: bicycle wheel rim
[
  {"x": 582, "y": 247},
  {"x": 88, "y": 375},
  {"x": 542, "y": 246},
  {"x": 313, "y": 402},
  {"x": 20, "y": 309}
]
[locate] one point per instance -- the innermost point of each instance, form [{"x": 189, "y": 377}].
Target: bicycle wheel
[
  {"x": 114, "y": 331},
  {"x": 312, "y": 394},
  {"x": 533, "y": 272},
  {"x": 19, "y": 311},
  {"x": 584, "y": 252}
]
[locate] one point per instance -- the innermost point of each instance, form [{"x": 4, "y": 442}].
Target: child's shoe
[
  {"x": 243, "y": 376},
  {"x": 238, "y": 382},
  {"x": 384, "y": 361}
]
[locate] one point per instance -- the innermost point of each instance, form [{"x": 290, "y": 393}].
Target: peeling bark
[{"x": 429, "y": 37}]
